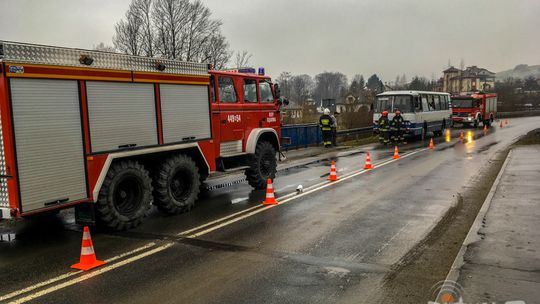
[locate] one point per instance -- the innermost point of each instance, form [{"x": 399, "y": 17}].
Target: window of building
[
  {"x": 250, "y": 90},
  {"x": 227, "y": 93},
  {"x": 266, "y": 92}
]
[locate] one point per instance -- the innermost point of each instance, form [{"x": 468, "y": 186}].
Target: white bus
[{"x": 422, "y": 111}]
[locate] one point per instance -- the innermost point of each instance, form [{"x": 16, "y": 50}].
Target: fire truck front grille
[{"x": 4, "y": 201}]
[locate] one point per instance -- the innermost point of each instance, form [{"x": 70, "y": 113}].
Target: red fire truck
[
  {"x": 112, "y": 134},
  {"x": 474, "y": 108}
]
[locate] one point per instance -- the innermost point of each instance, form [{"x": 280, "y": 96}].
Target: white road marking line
[
  {"x": 99, "y": 271},
  {"x": 70, "y": 274},
  {"x": 306, "y": 192},
  {"x": 239, "y": 200},
  {"x": 92, "y": 274}
]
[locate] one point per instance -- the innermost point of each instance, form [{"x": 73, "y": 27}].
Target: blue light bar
[
  {"x": 247, "y": 70},
  {"x": 261, "y": 71}
]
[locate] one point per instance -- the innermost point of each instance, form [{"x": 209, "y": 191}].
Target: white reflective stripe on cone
[
  {"x": 269, "y": 195},
  {"x": 87, "y": 250},
  {"x": 86, "y": 235}
]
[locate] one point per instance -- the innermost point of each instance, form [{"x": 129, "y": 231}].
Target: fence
[
  {"x": 305, "y": 135},
  {"x": 518, "y": 114}
]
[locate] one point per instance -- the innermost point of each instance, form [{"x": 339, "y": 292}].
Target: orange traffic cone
[
  {"x": 396, "y": 153},
  {"x": 461, "y": 135},
  {"x": 506, "y": 122},
  {"x": 501, "y": 125},
  {"x": 88, "y": 257},
  {"x": 270, "y": 198},
  {"x": 333, "y": 175},
  {"x": 368, "y": 164},
  {"x": 431, "y": 145}
]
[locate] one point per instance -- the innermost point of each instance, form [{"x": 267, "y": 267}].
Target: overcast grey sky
[{"x": 387, "y": 37}]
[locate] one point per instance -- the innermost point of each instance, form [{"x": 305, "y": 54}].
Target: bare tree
[
  {"x": 128, "y": 33},
  {"x": 242, "y": 59},
  {"x": 198, "y": 31},
  {"x": 170, "y": 17},
  {"x": 284, "y": 81},
  {"x": 104, "y": 48},
  {"x": 173, "y": 29},
  {"x": 143, "y": 11},
  {"x": 217, "y": 52},
  {"x": 301, "y": 88},
  {"x": 329, "y": 85}
]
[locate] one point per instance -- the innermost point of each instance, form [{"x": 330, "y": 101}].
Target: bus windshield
[
  {"x": 391, "y": 103},
  {"x": 462, "y": 103}
]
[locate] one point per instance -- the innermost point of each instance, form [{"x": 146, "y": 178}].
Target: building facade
[{"x": 473, "y": 78}]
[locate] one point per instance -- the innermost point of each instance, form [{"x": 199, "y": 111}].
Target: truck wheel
[
  {"x": 475, "y": 124},
  {"x": 177, "y": 185},
  {"x": 125, "y": 196},
  {"x": 263, "y": 165}
]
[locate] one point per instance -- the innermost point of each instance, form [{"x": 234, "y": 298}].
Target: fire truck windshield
[{"x": 462, "y": 103}]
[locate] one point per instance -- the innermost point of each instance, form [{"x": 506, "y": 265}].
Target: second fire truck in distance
[{"x": 474, "y": 108}]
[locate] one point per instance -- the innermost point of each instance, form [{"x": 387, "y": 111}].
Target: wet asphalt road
[{"x": 332, "y": 245}]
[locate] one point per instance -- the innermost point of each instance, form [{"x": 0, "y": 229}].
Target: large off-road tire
[
  {"x": 263, "y": 165},
  {"x": 125, "y": 196},
  {"x": 176, "y": 185}
]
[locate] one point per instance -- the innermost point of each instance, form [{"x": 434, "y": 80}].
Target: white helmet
[{"x": 326, "y": 111}]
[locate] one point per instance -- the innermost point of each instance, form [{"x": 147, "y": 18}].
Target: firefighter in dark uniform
[
  {"x": 398, "y": 123},
  {"x": 326, "y": 123},
  {"x": 384, "y": 128}
]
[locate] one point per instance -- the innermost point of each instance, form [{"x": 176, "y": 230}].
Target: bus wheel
[
  {"x": 263, "y": 165},
  {"x": 125, "y": 196},
  {"x": 177, "y": 185}
]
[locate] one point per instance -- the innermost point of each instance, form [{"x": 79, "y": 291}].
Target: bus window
[
  {"x": 444, "y": 99},
  {"x": 431, "y": 103},
  {"x": 425, "y": 106},
  {"x": 417, "y": 104},
  {"x": 403, "y": 103},
  {"x": 384, "y": 103},
  {"x": 437, "y": 102}
]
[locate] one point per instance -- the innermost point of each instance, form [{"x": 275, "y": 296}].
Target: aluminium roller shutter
[
  {"x": 49, "y": 145},
  {"x": 121, "y": 114},
  {"x": 185, "y": 112}
]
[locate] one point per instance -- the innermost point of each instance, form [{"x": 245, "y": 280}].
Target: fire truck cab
[
  {"x": 474, "y": 108},
  {"x": 112, "y": 134}
]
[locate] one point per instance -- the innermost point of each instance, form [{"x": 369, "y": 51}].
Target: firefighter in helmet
[
  {"x": 326, "y": 122},
  {"x": 398, "y": 124},
  {"x": 384, "y": 128}
]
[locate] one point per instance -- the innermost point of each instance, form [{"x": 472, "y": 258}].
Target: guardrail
[
  {"x": 305, "y": 135},
  {"x": 518, "y": 113}
]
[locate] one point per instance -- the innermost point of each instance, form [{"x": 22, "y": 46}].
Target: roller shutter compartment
[
  {"x": 121, "y": 115},
  {"x": 49, "y": 146},
  {"x": 185, "y": 112}
]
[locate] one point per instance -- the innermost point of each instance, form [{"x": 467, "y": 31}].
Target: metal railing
[{"x": 305, "y": 135}]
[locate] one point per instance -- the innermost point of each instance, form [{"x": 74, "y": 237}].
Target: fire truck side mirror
[
  {"x": 282, "y": 101},
  {"x": 277, "y": 91}
]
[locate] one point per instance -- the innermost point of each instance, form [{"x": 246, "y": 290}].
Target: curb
[{"x": 472, "y": 235}]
